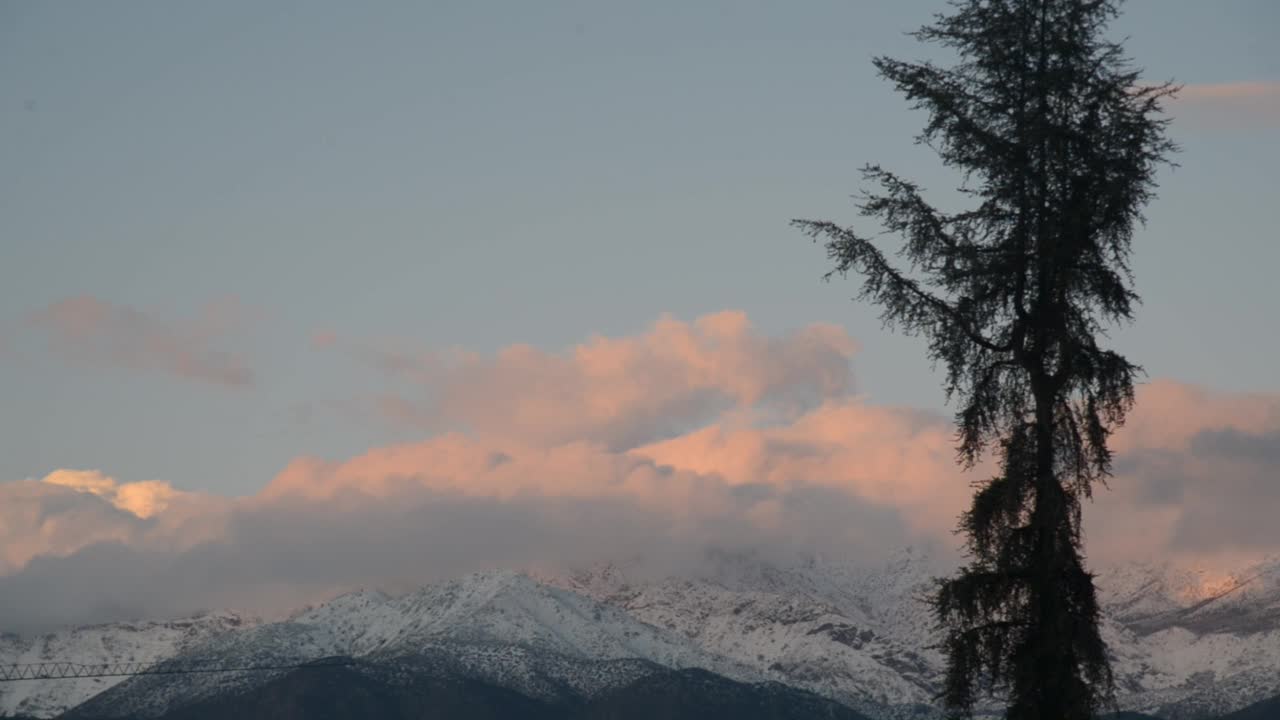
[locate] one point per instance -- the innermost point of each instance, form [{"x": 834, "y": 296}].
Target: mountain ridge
[{"x": 854, "y": 634}]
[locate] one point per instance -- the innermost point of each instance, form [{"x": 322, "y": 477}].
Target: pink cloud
[
  {"x": 323, "y": 339},
  {"x": 1196, "y": 474},
  {"x": 890, "y": 457},
  {"x": 1231, "y": 92},
  {"x": 624, "y": 392},
  {"x": 69, "y": 510},
  {"x": 1233, "y": 105},
  {"x": 686, "y": 435},
  {"x": 86, "y": 329},
  {"x": 1181, "y": 473},
  {"x": 1169, "y": 414}
]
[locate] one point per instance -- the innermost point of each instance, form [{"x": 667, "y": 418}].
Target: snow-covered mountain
[
  {"x": 142, "y": 642},
  {"x": 858, "y": 635},
  {"x": 1187, "y": 643},
  {"x": 502, "y": 627},
  {"x": 1184, "y": 648}
]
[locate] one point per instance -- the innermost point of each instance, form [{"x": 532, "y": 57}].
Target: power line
[{"x": 70, "y": 670}]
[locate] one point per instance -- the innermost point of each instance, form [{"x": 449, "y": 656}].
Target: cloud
[
  {"x": 1195, "y": 478},
  {"x": 279, "y": 555},
  {"x": 683, "y": 437},
  {"x": 1233, "y": 105},
  {"x": 891, "y": 457},
  {"x": 42, "y": 519},
  {"x": 142, "y": 499},
  {"x": 394, "y": 517},
  {"x": 86, "y": 329},
  {"x": 1230, "y": 443},
  {"x": 73, "y": 509},
  {"x": 323, "y": 339},
  {"x": 623, "y": 392}
]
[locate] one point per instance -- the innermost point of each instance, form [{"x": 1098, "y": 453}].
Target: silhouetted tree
[{"x": 1057, "y": 141}]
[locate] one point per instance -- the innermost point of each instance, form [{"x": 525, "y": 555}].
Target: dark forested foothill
[{"x": 360, "y": 693}]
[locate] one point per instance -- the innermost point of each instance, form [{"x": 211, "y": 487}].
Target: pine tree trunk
[
  {"x": 1045, "y": 648},
  {"x": 1051, "y": 688}
]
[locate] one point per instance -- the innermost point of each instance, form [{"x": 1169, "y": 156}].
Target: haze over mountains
[{"x": 829, "y": 636}]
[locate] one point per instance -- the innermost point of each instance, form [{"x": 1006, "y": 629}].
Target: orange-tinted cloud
[
  {"x": 1195, "y": 476},
  {"x": 687, "y": 435},
  {"x": 891, "y": 457},
  {"x": 629, "y": 391},
  {"x": 1191, "y": 472},
  {"x": 72, "y": 509},
  {"x": 143, "y": 499},
  {"x": 323, "y": 338},
  {"x": 1234, "y": 105},
  {"x": 1169, "y": 415},
  {"x": 86, "y": 329}
]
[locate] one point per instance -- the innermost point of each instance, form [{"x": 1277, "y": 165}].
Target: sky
[{"x": 530, "y": 262}]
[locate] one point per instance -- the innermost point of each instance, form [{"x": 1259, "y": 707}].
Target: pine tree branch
[{"x": 888, "y": 285}]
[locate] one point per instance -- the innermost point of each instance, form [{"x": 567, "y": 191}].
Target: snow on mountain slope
[
  {"x": 1184, "y": 647},
  {"x": 117, "y": 642},
  {"x": 794, "y": 640},
  {"x": 500, "y": 626},
  {"x": 1150, "y": 597},
  {"x": 1189, "y": 643},
  {"x": 846, "y": 632},
  {"x": 279, "y": 643},
  {"x": 535, "y": 673},
  {"x": 499, "y": 608}
]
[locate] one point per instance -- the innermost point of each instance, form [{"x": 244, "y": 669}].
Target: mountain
[
  {"x": 1150, "y": 597},
  {"x": 344, "y": 693},
  {"x": 853, "y": 634},
  {"x": 697, "y": 694},
  {"x": 502, "y": 628},
  {"x": 1185, "y": 647},
  {"x": 373, "y": 692},
  {"x": 142, "y": 642},
  {"x": 1268, "y": 709},
  {"x": 1188, "y": 643}
]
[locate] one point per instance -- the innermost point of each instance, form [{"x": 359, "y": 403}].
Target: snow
[
  {"x": 1182, "y": 645},
  {"x": 118, "y": 642}
]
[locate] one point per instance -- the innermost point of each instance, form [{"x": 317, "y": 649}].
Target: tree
[{"x": 1058, "y": 143}]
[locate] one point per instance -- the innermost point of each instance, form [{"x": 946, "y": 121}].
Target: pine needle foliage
[{"x": 1058, "y": 142}]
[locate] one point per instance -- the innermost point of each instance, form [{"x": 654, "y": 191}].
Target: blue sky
[{"x": 480, "y": 174}]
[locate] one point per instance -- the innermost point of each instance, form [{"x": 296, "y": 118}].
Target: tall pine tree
[{"x": 1058, "y": 142}]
